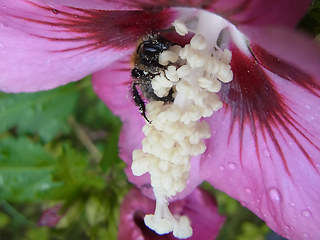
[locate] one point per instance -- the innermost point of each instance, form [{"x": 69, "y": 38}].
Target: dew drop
[
  {"x": 221, "y": 168},
  {"x": 306, "y": 213},
  {"x": 293, "y": 204},
  {"x": 55, "y": 11},
  {"x": 308, "y": 106},
  {"x": 266, "y": 153},
  {"x": 248, "y": 190},
  {"x": 232, "y": 165},
  {"x": 305, "y": 236},
  {"x": 275, "y": 194}
]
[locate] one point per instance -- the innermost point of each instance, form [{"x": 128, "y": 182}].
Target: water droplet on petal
[
  {"x": 248, "y": 190},
  {"x": 232, "y": 165},
  {"x": 306, "y": 213},
  {"x": 221, "y": 168},
  {"x": 305, "y": 236},
  {"x": 266, "y": 153},
  {"x": 293, "y": 204},
  {"x": 308, "y": 106},
  {"x": 275, "y": 194}
]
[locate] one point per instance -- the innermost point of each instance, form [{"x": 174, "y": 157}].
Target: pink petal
[
  {"x": 133, "y": 4},
  {"x": 44, "y": 46},
  {"x": 50, "y": 217},
  {"x": 112, "y": 85},
  {"x": 263, "y": 12},
  {"x": 297, "y": 49},
  {"x": 200, "y": 207},
  {"x": 250, "y": 12},
  {"x": 264, "y": 148}
]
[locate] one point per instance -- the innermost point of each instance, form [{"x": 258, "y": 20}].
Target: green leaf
[
  {"x": 72, "y": 169},
  {"x": 25, "y": 170},
  {"x": 43, "y": 113},
  {"x": 111, "y": 151},
  {"x": 70, "y": 165}
]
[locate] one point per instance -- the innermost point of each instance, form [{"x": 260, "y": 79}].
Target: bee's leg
[{"x": 138, "y": 101}]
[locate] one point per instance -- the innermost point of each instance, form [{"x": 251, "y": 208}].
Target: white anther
[
  {"x": 211, "y": 84},
  {"x": 176, "y": 172},
  {"x": 166, "y": 141},
  {"x": 166, "y": 181},
  {"x": 196, "y": 59},
  {"x": 168, "y": 56},
  {"x": 225, "y": 74},
  {"x": 214, "y": 102},
  {"x": 198, "y": 42},
  {"x": 185, "y": 52},
  {"x": 184, "y": 88},
  {"x": 175, "y": 48},
  {"x": 163, "y": 165},
  {"x": 173, "y": 113},
  {"x": 212, "y": 66},
  {"x": 162, "y": 92},
  {"x": 161, "y": 85},
  {"x": 162, "y": 81},
  {"x": 180, "y": 27},
  {"x": 140, "y": 163},
  {"x": 183, "y": 71},
  {"x": 182, "y": 229},
  {"x": 226, "y": 56},
  {"x": 160, "y": 226},
  {"x": 193, "y": 114},
  {"x": 172, "y": 74}
]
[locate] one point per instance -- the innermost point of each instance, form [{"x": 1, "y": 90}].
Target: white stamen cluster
[{"x": 195, "y": 73}]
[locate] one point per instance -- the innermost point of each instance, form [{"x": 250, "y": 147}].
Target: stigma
[{"x": 192, "y": 75}]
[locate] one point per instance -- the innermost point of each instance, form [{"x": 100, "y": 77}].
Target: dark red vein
[{"x": 253, "y": 99}]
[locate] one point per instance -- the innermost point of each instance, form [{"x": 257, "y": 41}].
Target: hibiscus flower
[{"x": 264, "y": 145}]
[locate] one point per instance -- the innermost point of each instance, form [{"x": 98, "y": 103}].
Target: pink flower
[
  {"x": 199, "y": 206},
  {"x": 50, "y": 217},
  {"x": 264, "y": 149}
]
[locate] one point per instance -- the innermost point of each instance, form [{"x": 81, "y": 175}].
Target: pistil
[{"x": 195, "y": 72}]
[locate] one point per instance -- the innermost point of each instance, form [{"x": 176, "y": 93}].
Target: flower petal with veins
[
  {"x": 248, "y": 12},
  {"x": 264, "y": 149},
  {"x": 64, "y": 43}
]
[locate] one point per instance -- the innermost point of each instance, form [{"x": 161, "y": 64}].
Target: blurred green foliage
[{"x": 59, "y": 147}]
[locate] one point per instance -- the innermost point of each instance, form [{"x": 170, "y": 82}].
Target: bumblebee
[{"x": 146, "y": 62}]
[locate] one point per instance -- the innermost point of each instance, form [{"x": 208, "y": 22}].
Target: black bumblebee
[{"x": 146, "y": 62}]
